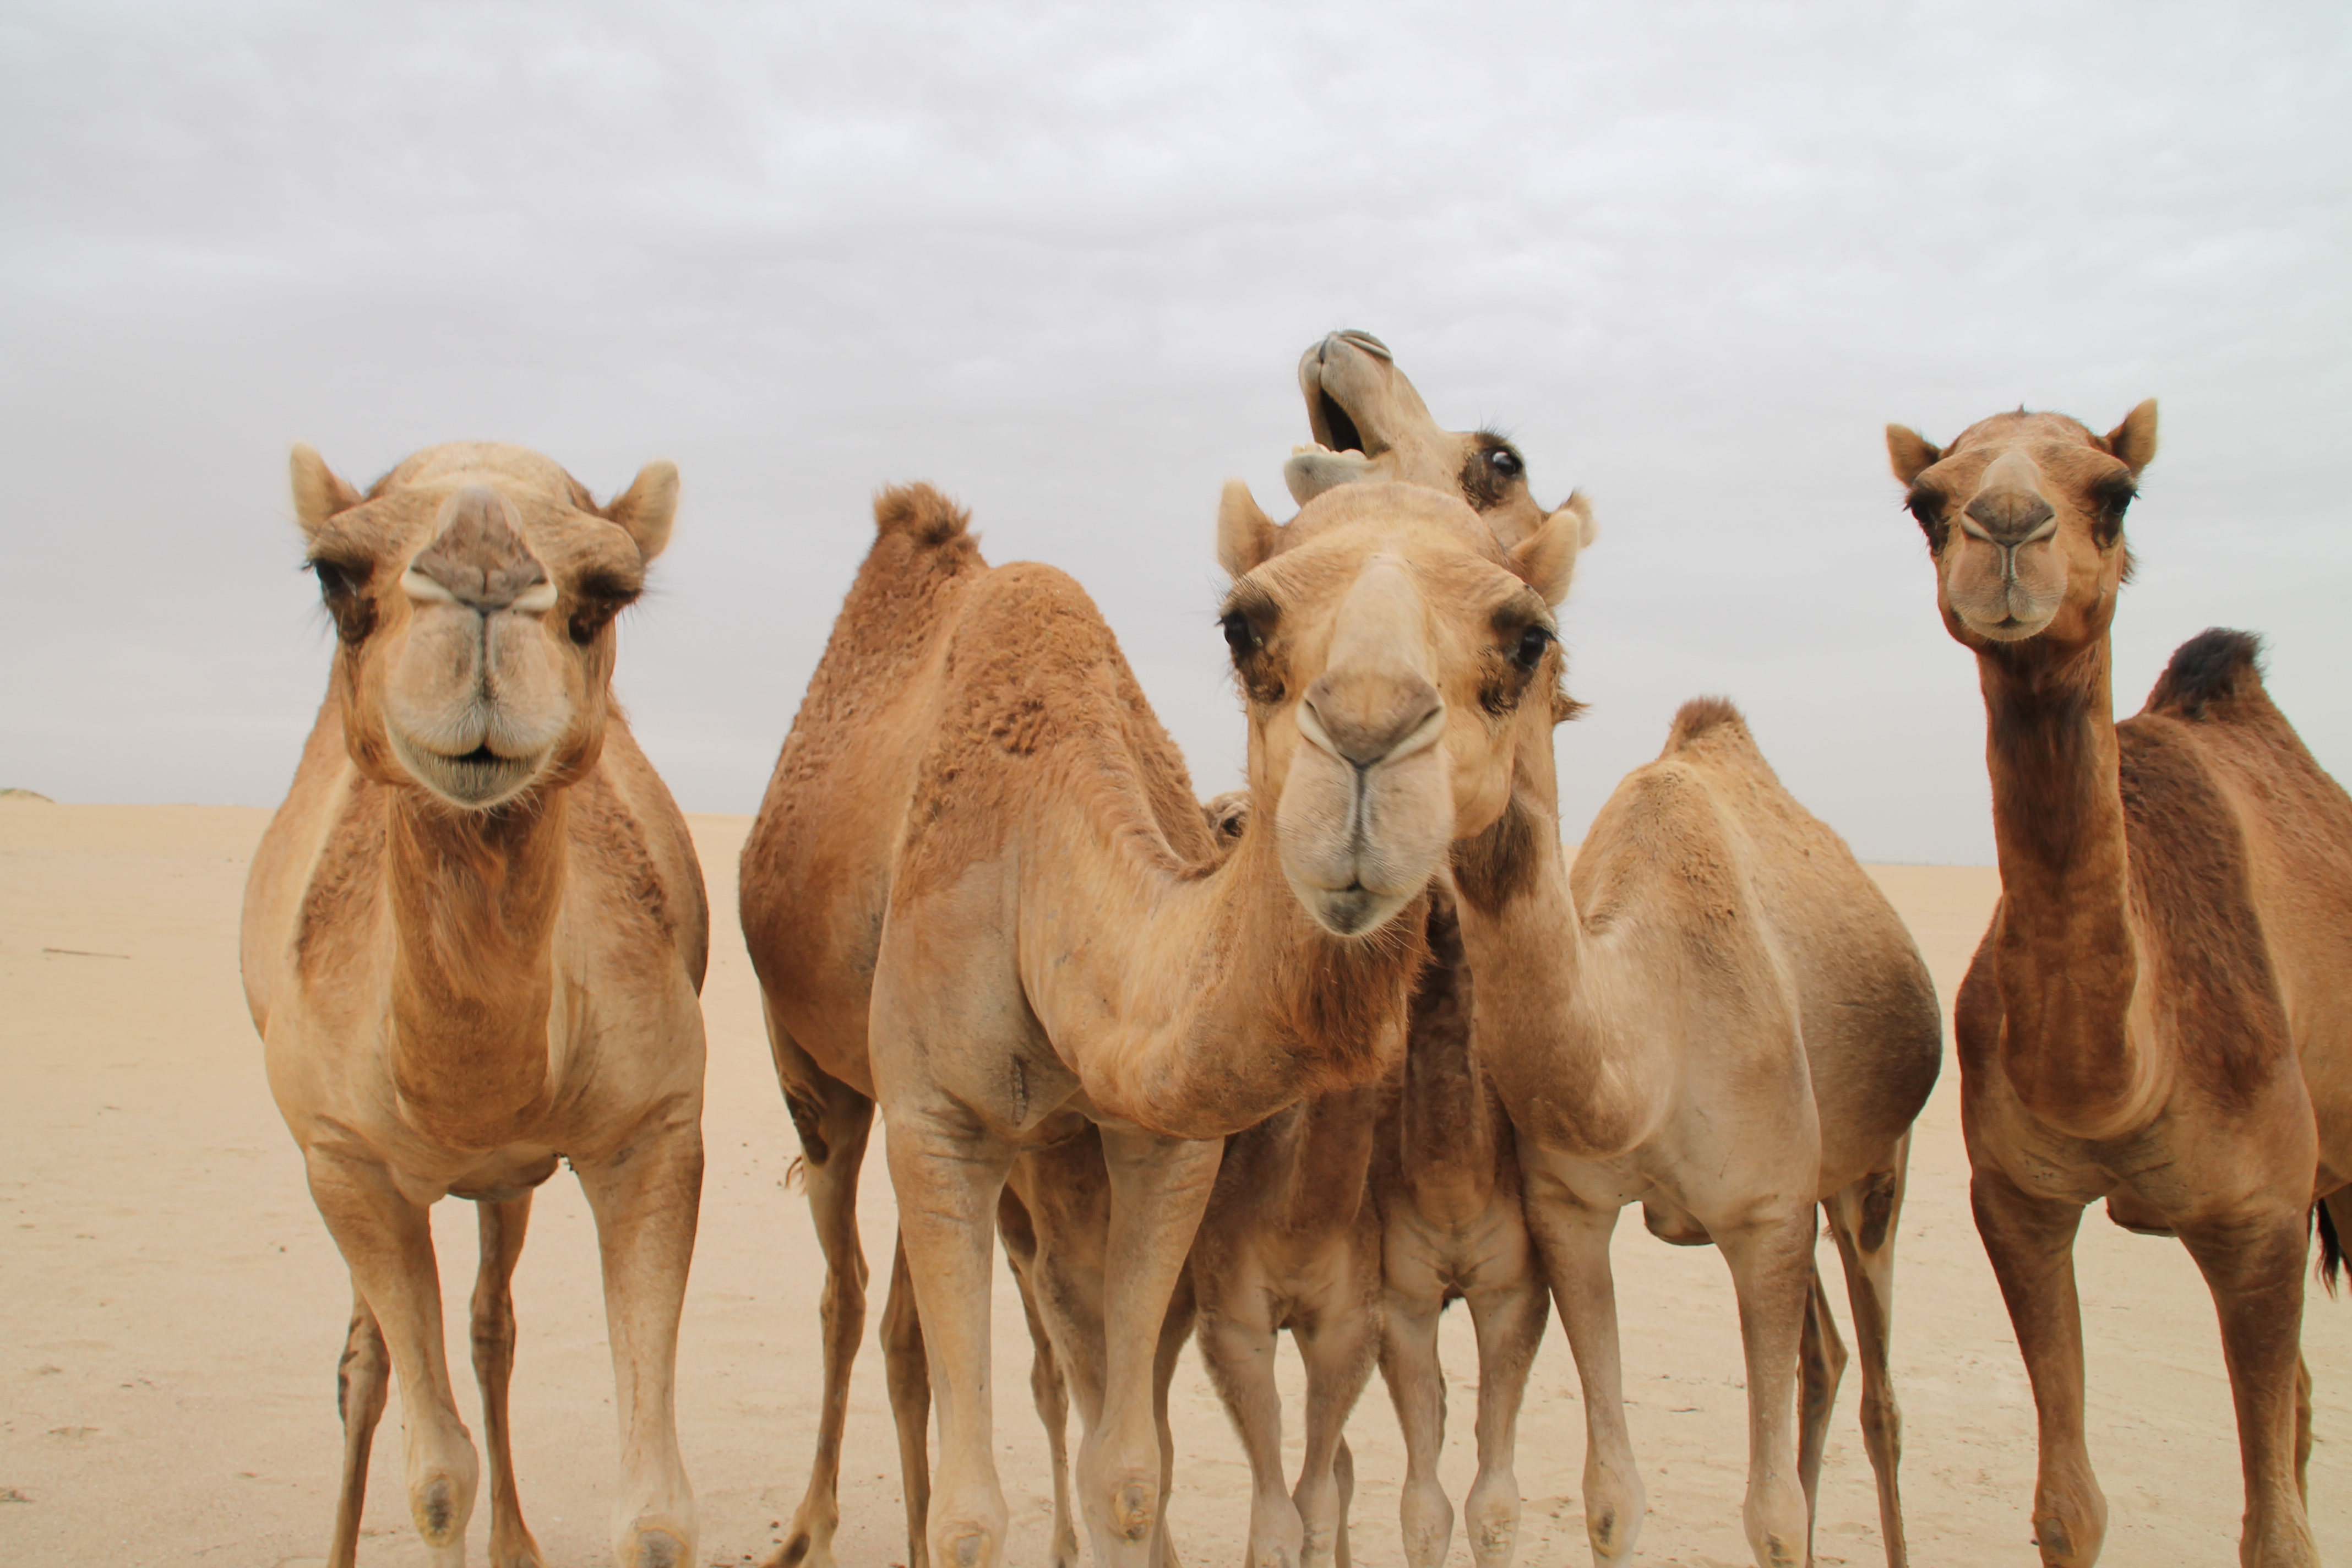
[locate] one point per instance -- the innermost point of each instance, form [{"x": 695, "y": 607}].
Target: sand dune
[{"x": 171, "y": 1308}]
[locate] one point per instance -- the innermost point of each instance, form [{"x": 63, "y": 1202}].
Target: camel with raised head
[
  {"x": 1352, "y": 1219},
  {"x": 1715, "y": 1013},
  {"x": 981, "y": 883},
  {"x": 474, "y": 937},
  {"x": 2161, "y": 1014}
]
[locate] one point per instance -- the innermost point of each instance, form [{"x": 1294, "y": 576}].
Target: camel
[
  {"x": 1738, "y": 1030},
  {"x": 2158, "y": 1014},
  {"x": 1351, "y": 1219},
  {"x": 474, "y": 940},
  {"x": 979, "y": 891}
]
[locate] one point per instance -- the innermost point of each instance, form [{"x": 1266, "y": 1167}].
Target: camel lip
[
  {"x": 1346, "y": 435},
  {"x": 475, "y": 780}
]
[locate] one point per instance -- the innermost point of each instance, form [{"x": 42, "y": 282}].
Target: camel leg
[
  {"x": 1339, "y": 1351},
  {"x": 360, "y": 1381},
  {"x": 1047, "y": 1388},
  {"x": 906, "y": 1370},
  {"x": 1864, "y": 1217},
  {"x": 646, "y": 1198},
  {"x": 1510, "y": 1326},
  {"x": 502, "y": 1226},
  {"x": 1771, "y": 1263},
  {"x": 833, "y": 1120},
  {"x": 1416, "y": 1380},
  {"x": 388, "y": 1243},
  {"x": 1238, "y": 1352},
  {"x": 1821, "y": 1368},
  {"x": 2303, "y": 1431},
  {"x": 2253, "y": 1264},
  {"x": 1159, "y": 1188},
  {"x": 1572, "y": 1241},
  {"x": 1174, "y": 1329},
  {"x": 948, "y": 1171},
  {"x": 2031, "y": 1243}
]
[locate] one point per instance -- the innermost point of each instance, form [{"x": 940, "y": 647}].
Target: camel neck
[
  {"x": 1573, "y": 1078},
  {"x": 2063, "y": 954},
  {"x": 1215, "y": 1001},
  {"x": 474, "y": 899},
  {"x": 1447, "y": 1125}
]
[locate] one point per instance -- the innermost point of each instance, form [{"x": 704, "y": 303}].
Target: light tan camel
[
  {"x": 1351, "y": 1219},
  {"x": 1719, "y": 1017},
  {"x": 2161, "y": 1011},
  {"x": 980, "y": 890},
  {"x": 474, "y": 936}
]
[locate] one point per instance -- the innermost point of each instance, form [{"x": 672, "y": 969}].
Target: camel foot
[
  {"x": 522, "y": 1553},
  {"x": 802, "y": 1549},
  {"x": 648, "y": 1545},
  {"x": 2068, "y": 1533}
]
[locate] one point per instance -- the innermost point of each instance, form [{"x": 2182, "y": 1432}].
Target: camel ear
[
  {"x": 2134, "y": 441},
  {"x": 646, "y": 509},
  {"x": 1909, "y": 453},
  {"x": 1245, "y": 536},
  {"x": 318, "y": 493},
  {"x": 1546, "y": 559}
]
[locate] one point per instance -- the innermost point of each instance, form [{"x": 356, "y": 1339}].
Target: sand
[{"x": 171, "y": 1308}]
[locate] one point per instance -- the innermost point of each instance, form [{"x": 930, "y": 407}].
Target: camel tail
[
  {"x": 1710, "y": 718},
  {"x": 2331, "y": 1248},
  {"x": 926, "y": 517},
  {"x": 2216, "y": 666}
]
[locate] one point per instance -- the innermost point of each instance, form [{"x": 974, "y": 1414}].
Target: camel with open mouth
[
  {"x": 2161, "y": 1014},
  {"x": 474, "y": 938}
]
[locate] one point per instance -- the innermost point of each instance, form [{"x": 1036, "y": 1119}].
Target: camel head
[
  {"x": 473, "y": 590},
  {"x": 2024, "y": 515},
  {"x": 1369, "y": 424},
  {"x": 1390, "y": 648}
]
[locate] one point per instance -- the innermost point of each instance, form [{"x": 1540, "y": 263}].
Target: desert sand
[{"x": 171, "y": 1308}]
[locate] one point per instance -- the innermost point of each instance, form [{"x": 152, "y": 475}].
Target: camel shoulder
[{"x": 643, "y": 873}]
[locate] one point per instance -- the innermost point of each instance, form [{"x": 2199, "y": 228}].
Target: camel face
[
  {"x": 1387, "y": 644},
  {"x": 1369, "y": 424},
  {"x": 474, "y": 589},
  {"x": 2024, "y": 516}
]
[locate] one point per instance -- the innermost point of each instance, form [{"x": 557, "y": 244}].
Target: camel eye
[
  {"x": 1531, "y": 651},
  {"x": 1506, "y": 462},
  {"x": 1240, "y": 635}
]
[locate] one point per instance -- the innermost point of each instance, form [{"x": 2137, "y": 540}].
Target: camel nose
[
  {"x": 477, "y": 557},
  {"x": 2009, "y": 505},
  {"x": 1366, "y": 721},
  {"x": 1355, "y": 338}
]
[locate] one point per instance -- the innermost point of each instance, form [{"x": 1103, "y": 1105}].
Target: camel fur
[
  {"x": 2161, "y": 1014},
  {"x": 473, "y": 943}
]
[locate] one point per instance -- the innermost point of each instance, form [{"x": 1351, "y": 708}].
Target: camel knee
[
  {"x": 1779, "y": 1525},
  {"x": 1493, "y": 1508},
  {"x": 1427, "y": 1517},
  {"x": 441, "y": 1501},
  {"x": 967, "y": 1543}
]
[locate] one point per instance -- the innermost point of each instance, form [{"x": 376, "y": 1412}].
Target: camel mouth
[
  {"x": 473, "y": 781},
  {"x": 1341, "y": 428},
  {"x": 1352, "y": 911}
]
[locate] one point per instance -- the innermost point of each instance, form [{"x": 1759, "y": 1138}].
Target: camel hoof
[{"x": 799, "y": 1548}]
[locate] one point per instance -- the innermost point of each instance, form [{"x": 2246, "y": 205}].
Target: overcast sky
[{"x": 1062, "y": 260}]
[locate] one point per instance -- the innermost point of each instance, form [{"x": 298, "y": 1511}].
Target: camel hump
[
  {"x": 1713, "y": 720},
  {"x": 2216, "y": 666},
  {"x": 925, "y": 516}
]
